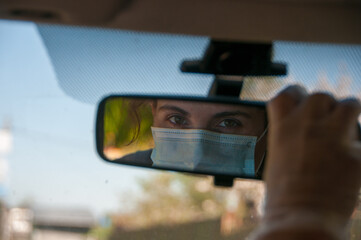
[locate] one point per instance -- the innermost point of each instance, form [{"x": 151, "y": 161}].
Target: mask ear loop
[
  {"x": 263, "y": 134},
  {"x": 260, "y": 166}
]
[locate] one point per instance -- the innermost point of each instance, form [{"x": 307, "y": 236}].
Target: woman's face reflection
[{"x": 221, "y": 118}]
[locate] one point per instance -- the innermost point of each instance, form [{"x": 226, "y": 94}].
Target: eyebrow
[
  {"x": 235, "y": 113},
  {"x": 217, "y": 115},
  {"x": 174, "y": 108}
]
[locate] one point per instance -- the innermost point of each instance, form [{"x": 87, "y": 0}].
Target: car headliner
[{"x": 333, "y": 21}]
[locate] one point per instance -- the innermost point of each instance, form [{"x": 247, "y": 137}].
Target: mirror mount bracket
[
  {"x": 231, "y": 61},
  {"x": 236, "y": 59},
  {"x": 223, "y": 181}
]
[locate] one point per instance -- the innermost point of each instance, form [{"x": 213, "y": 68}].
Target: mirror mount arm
[
  {"x": 223, "y": 181},
  {"x": 223, "y": 86}
]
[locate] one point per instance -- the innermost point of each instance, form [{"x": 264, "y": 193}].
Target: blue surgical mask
[{"x": 204, "y": 151}]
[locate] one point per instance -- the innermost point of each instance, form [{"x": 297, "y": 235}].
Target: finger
[
  {"x": 318, "y": 105},
  {"x": 285, "y": 101},
  {"x": 355, "y": 152},
  {"x": 346, "y": 113}
]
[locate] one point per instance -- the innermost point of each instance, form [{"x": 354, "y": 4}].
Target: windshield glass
[{"x": 52, "y": 179}]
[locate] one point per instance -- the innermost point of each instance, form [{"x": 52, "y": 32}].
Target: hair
[{"x": 137, "y": 113}]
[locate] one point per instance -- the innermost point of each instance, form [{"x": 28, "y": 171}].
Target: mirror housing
[{"x": 146, "y": 147}]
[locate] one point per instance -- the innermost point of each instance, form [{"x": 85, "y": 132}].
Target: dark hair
[{"x": 139, "y": 113}]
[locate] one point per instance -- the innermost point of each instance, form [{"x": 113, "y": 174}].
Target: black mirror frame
[{"x": 227, "y": 180}]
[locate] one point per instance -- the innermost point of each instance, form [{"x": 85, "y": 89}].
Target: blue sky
[
  {"x": 51, "y": 80},
  {"x": 53, "y": 162}
]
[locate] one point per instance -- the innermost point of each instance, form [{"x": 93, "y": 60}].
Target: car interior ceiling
[{"x": 334, "y": 21}]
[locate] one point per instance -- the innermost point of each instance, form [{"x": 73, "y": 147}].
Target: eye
[
  {"x": 229, "y": 123},
  {"x": 178, "y": 120}
]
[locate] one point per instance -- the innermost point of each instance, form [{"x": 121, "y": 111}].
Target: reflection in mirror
[{"x": 184, "y": 135}]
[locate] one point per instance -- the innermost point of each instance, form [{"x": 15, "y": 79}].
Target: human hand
[{"x": 313, "y": 169}]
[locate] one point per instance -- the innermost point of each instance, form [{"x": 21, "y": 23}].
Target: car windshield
[{"x": 52, "y": 182}]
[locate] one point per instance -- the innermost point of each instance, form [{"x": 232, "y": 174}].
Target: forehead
[{"x": 194, "y": 107}]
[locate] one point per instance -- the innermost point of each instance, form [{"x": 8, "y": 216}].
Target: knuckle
[
  {"x": 349, "y": 107},
  {"x": 286, "y": 100},
  {"x": 289, "y": 96},
  {"x": 282, "y": 98},
  {"x": 321, "y": 99},
  {"x": 281, "y": 105}
]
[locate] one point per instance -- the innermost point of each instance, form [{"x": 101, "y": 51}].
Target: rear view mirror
[{"x": 220, "y": 137}]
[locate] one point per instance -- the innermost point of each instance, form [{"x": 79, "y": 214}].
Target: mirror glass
[{"x": 198, "y": 136}]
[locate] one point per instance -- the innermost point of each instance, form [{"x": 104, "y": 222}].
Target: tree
[
  {"x": 127, "y": 123},
  {"x": 173, "y": 198}
]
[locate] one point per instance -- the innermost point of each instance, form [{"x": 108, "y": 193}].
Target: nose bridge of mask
[{"x": 194, "y": 148}]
